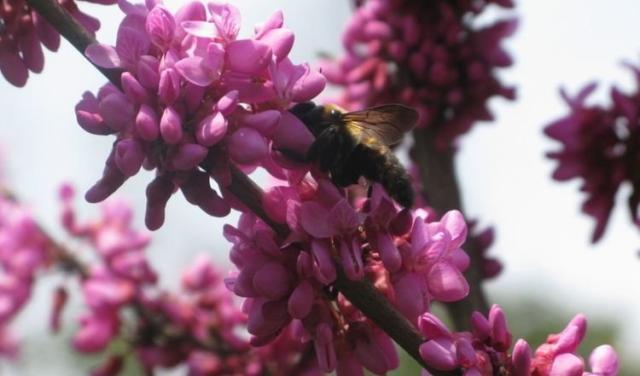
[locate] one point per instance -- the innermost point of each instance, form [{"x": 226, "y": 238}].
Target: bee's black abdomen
[
  {"x": 397, "y": 184},
  {"x": 378, "y": 163}
]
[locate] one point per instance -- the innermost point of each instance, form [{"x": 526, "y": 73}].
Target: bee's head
[
  {"x": 332, "y": 113},
  {"x": 317, "y": 118}
]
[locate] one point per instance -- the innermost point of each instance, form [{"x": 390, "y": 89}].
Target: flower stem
[
  {"x": 440, "y": 186},
  {"x": 361, "y": 293},
  {"x": 72, "y": 31}
]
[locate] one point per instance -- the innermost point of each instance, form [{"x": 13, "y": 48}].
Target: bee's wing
[{"x": 387, "y": 123}]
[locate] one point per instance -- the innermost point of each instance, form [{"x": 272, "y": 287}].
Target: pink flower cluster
[
  {"x": 558, "y": 355},
  {"x": 24, "y": 251},
  {"x": 23, "y": 32},
  {"x": 194, "y": 99},
  {"x": 114, "y": 282},
  {"x": 287, "y": 282},
  {"x": 485, "y": 350},
  {"x": 482, "y": 239},
  {"x": 601, "y": 146},
  {"x": 426, "y": 54},
  {"x": 199, "y": 326}
]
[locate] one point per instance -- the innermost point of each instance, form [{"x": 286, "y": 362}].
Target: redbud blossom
[
  {"x": 599, "y": 145},
  {"x": 285, "y": 281},
  {"x": 199, "y": 326},
  {"x": 194, "y": 98},
  {"x": 485, "y": 350},
  {"x": 24, "y": 251},
  {"x": 428, "y": 55},
  {"x": 558, "y": 355},
  {"x": 23, "y": 32}
]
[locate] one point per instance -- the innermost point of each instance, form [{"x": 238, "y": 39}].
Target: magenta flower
[
  {"x": 285, "y": 281},
  {"x": 23, "y": 32},
  {"x": 266, "y": 278},
  {"x": 558, "y": 355},
  {"x": 24, "y": 251},
  {"x": 485, "y": 350},
  {"x": 603, "y": 361},
  {"x": 8, "y": 344},
  {"x": 478, "y": 353},
  {"x": 96, "y": 332},
  {"x": 600, "y": 146},
  {"x": 432, "y": 265},
  {"x": 334, "y": 226},
  {"x": 427, "y": 55},
  {"x": 200, "y": 326},
  {"x": 194, "y": 98}
]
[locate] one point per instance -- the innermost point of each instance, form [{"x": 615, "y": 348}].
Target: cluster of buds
[
  {"x": 411, "y": 259},
  {"x": 24, "y": 251},
  {"x": 199, "y": 326},
  {"x": 23, "y": 32},
  {"x": 194, "y": 100},
  {"x": 485, "y": 350},
  {"x": 117, "y": 279},
  {"x": 428, "y": 55},
  {"x": 601, "y": 146}
]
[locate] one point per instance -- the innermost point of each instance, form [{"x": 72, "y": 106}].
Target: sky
[{"x": 542, "y": 239}]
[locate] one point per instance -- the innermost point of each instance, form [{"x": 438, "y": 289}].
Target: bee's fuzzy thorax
[{"x": 347, "y": 151}]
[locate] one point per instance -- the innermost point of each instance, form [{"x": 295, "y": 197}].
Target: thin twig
[{"x": 72, "y": 31}]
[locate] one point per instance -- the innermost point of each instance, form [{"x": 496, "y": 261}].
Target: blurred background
[{"x": 551, "y": 270}]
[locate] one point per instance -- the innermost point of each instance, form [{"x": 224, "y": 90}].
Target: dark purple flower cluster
[
  {"x": 426, "y": 54},
  {"x": 601, "y": 146}
]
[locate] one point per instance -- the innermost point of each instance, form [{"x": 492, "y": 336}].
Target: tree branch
[
  {"x": 440, "y": 186},
  {"x": 72, "y": 31},
  {"x": 361, "y": 293}
]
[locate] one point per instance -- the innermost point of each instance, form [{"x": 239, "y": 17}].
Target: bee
[{"x": 353, "y": 144}]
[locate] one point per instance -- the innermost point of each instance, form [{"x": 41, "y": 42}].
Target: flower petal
[
  {"x": 440, "y": 354},
  {"x": 200, "y": 29},
  {"x": 191, "y": 68},
  {"x": 103, "y": 55},
  {"x": 446, "y": 283},
  {"x": 248, "y": 56},
  {"x": 314, "y": 219}
]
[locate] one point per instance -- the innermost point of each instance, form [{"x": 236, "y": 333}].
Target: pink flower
[
  {"x": 338, "y": 222},
  {"x": 24, "y": 251},
  {"x": 104, "y": 292},
  {"x": 23, "y": 32},
  {"x": 8, "y": 344},
  {"x": 558, "y": 354},
  {"x": 485, "y": 350},
  {"x": 96, "y": 332},
  {"x": 194, "y": 99},
  {"x": 432, "y": 265},
  {"x": 604, "y": 361},
  {"x": 430, "y": 56}
]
